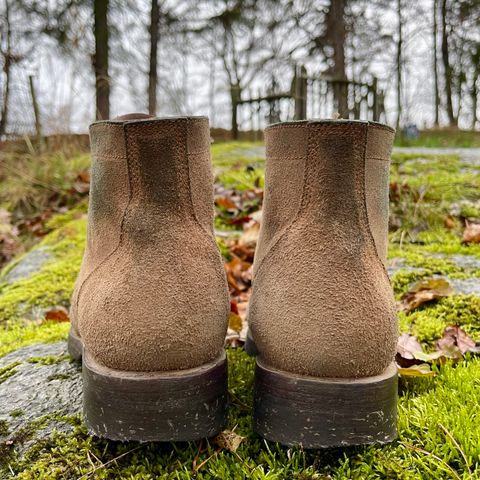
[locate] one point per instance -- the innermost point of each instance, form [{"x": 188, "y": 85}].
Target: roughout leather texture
[
  {"x": 151, "y": 294},
  {"x": 322, "y": 304}
]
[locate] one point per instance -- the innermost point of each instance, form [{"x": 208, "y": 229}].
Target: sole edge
[{"x": 323, "y": 413}]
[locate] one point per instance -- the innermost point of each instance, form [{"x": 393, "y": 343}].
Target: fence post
[
  {"x": 300, "y": 92},
  {"x": 375, "y": 106}
]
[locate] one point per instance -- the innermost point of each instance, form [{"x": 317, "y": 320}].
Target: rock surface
[
  {"x": 28, "y": 264},
  {"x": 37, "y": 382}
]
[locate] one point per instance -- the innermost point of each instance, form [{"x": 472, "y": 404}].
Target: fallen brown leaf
[
  {"x": 226, "y": 203},
  {"x": 471, "y": 234},
  {"x": 422, "y": 370},
  {"x": 449, "y": 222},
  {"x": 455, "y": 337},
  {"x": 407, "y": 347},
  {"x": 228, "y": 440},
  {"x": 58, "y": 314},
  {"x": 235, "y": 322},
  {"x": 250, "y": 235},
  {"x": 423, "y": 291}
]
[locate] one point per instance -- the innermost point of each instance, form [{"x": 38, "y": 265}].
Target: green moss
[
  {"x": 426, "y": 189},
  {"x": 450, "y": 402},
  {"x": 402, "y": 280},
  {"x": 233, "y": 154},
  {"x": 428, "y": 322},
  {"x": 53, "y": 283},
  {"x": 8, "y": 371},
  {"x": 4, "y": 429},
  {"x": 17, "y": 413},
  {"x": 58, "y": 221},
  {"x": 26, "y": 433},
  {"x": 59, "y": 376},
  {"x": 441, "y": 139},
  {"x": 224, "y": 250},
  {"x": 49, "y": 359},
  {"x": 16, "y": 335}
]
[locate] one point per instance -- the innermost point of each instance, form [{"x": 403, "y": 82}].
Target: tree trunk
[
  {"x": 100, "y": 63},
  {"x": 6, "y": 69},
  {"x": 338, "y": 32},
  {"x": 447, "y": 69},
  {"x": 36, "y": 112},
  {"x": 474, "y": 92},
  {"x": 235, "y": 96},
  {"x": 153, "y": 74},
  {"x": 474, "y": 105},
  {"x": 435, "y": 64},
  {"x": 399, "y": 63}
]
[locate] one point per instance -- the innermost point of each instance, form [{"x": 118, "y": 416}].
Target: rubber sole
[
  {"x": 178, "y": 405},
  {"x": 75, "y": 346},
  {"x": 321, "y": 412},
  {"x": 250, "y": 346}
]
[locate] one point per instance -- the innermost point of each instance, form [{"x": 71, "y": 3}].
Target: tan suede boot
[
  {"x": 322, "y": 312},
  {"x": 150, "y": 306}
]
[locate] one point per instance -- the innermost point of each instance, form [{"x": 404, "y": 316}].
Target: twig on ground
[
  {"x": 462, "y": 453},
  {"x": 431, "y": 455},
  {"x": 103, "y": 465}
]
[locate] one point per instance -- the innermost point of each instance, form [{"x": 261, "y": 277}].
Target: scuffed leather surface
[
  {"x": 159, "y": 300},
  {"x": 377, "y": 168},
  {"x": 322, "y": 304},
  {"x": 109, "y": 196}
]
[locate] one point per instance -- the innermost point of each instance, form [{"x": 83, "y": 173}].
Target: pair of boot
[{"x": 150, "y": 307}]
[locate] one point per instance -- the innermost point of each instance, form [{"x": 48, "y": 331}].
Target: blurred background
[
  {"x": 244, "y": 63},
  {"x": 413, "y": 64}
]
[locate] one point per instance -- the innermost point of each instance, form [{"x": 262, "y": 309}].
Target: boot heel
[
  {"x": 155, "y": 406},
  {"x": 322, "y": 412},
  {"x": 74, "y": 345}
]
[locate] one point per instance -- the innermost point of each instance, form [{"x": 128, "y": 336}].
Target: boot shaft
[
  {"x": 150, "y": 244},
  {"x": 332, "y": 173},
  {"x": 161, "y": 167},
  {"x": 320, "y": 284}
]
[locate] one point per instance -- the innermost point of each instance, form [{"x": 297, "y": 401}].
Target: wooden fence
[{"x": 309, "y": 97}]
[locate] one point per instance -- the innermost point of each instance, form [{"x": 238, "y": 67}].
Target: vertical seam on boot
[
  {"x": 124, "y": 216},
  {"x": 209, "y": 235},
  {"x": 369, "y": 228},
  {"x": 299, "y": 209}
]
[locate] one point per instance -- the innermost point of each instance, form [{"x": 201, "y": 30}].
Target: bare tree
[
  {"x": 435, "y": 63},
  {"x": 238, "y": 33},
  {"x": 399, "y": 65},
  {"x": 335, "y": 37},
  {"x": 447, "y": 69},
  {"x": 7, "y": 55},
  {"x": 475, "y": 60},
  {"x": 153, "y": 73},
  {"x": 100, "y": 59}
]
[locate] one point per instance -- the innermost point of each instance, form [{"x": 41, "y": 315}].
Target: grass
[
  {"x": 439, "y": 433},
  {"x": 438, "y": 439},
  {"x": 441, "y": 138}
]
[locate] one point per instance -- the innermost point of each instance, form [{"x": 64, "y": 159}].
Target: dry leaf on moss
[
  {"x": 471, "y": 234},
  {"x": 228, "y": 440},
  {"x": 424, "y": 291},
  {"x": 422, "y": 370},
  {"x": 455, "y": 337},
  {"x": 57, "y": 314}
]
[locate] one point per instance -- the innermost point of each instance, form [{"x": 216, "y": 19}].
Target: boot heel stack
[
  {"x": 155, "y": 406},
  {"x": 324, "y": 412}
]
